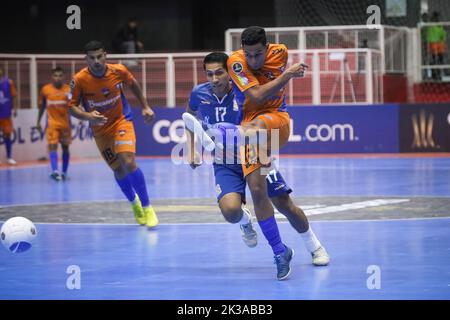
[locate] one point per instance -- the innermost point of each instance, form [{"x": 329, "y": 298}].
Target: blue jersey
[
  {"x": 7, "y": 92},
  {"x": 212, "y": 110}
]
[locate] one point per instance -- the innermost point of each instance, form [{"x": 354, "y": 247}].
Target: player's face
[
  {"x": 218, "y": 77},
  {"x": 58, "y": 78},
  {"x": 96, "y": 61},
  {"x": 255, "y": 55}
]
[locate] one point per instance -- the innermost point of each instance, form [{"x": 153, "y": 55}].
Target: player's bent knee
[
  {"x": 232, "y": 215},
  {"x": 232, "y": 212}
]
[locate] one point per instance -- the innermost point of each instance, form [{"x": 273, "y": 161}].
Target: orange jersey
[
  {"x": 55, "y": 101},
  {"x": 244, "y": 78},
  {"x": 103, "y": 94}
]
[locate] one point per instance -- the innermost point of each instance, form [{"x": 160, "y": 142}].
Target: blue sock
[
  {"x": 8, "y": 145},
  {"x": 53, "y": 160},
  {"x": 137, "y": 180},
  {"x": 270, "y": 229},
  {"x": 126, "y": 187},
  {"x": 65, "y": 158}
]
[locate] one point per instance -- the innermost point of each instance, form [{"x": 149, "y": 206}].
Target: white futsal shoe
[
  {"x": 11, "y": 162},
  {"x": 249, "y": 234},
  {"x": 320, "y": 257}
]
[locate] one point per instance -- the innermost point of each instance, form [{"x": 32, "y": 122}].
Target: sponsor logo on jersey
[
  {"x": 105, "y": 92},
  {"x": 237, "y": 67},
  {"x": 277, "y": 51}
]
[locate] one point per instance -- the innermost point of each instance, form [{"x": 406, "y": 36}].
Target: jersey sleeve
[
  {"x": 193, "y": 105},
  {"x": 240, "y": 74},
  {"x": 75, "y": 93},
  {"x": 126, "y": 75},
  {"x": 284, "y": 56},
  {"x": 13, "y": 88}
]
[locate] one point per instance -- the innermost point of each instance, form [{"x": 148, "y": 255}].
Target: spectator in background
[
  {"x": 126, "y": 39},
  {"x": 436, "y": 38}
]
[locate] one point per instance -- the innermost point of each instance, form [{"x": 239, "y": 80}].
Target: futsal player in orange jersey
[
  {"x": 259, "y": 74},
  {"x": 97, "y": 95},
  {"x": 54, "y": 98}
]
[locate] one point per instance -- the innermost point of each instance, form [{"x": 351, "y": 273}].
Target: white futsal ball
[{"x": 17, "y": 234}]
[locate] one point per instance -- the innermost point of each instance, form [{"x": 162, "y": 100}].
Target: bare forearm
[
  {"x": 15, "y": 104},
  {"x": 261, "y": 93},
  {"x": 190, "y": 142},
  {"x": 41, "y": 112},
  {"x": 79, "y": 113},
  {"x": 136, "y": 89}
]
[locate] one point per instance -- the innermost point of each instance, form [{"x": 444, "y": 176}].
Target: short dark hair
[
  {"x": 216, "y": 57},
  {"x": 253, "y": 35},
  {"x": 93, "y": 46},
  {"x": 57, "y": 69}
]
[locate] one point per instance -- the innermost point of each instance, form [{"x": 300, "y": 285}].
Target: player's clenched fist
[{"x": 297, "y": 70}]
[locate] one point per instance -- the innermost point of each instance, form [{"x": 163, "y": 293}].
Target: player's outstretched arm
[
  {"x": 147, "y": 112},
  {"x": 95, "y": 118},
  {"x": 261, "y": 93},
  {"x": 193, "y": 155}
]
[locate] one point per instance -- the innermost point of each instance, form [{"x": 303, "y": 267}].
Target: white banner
[{"x": 29, "y": 144}]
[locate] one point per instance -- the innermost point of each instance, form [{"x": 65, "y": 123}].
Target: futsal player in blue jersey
[
  {"x": 8, "y": 108},
  {"x": 214, "y": 103},
  {"x": 215, "y": 106}
]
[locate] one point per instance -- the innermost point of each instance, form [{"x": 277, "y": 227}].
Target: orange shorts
[
  {"x": 437, "y": 48},
  {"x": 279, "y": 129},
  {"x": 57, "y": 135},
  {"x": 6, "y": 126},
  {"x": 120, "y": 138}
]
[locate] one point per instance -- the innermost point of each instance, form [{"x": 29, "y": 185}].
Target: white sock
[
  {"x": 311, "y": 241},
  {"x": 245, "y": 218},
  {"x": 134, "y": 200}
]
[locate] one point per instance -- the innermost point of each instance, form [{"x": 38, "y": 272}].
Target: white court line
[
  {"x": 348, "y": 206},
  {"x": 220, "y": 223}
]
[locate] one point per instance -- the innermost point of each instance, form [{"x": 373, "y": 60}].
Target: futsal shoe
[
  {"x": 320, "y": 257},
  {"x": 55, "y": 176},
  {"x": 11, "y": 162},
  {"x": 249, "y": 234},
  {"x": 282, "y": 261},
  {"x": 139, "y": 213},
  {"x": 152, "y": 219},
  {"x": 64, "y": 177}
]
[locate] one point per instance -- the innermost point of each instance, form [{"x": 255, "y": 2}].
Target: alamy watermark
[
  {"x": 73, "y": 22},
  {"x": 74, "y": 279},
  {"x": 374, "y": 280}
]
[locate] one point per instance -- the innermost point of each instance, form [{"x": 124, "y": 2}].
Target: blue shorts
[{"x": 230, "y": 178}]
